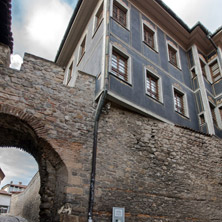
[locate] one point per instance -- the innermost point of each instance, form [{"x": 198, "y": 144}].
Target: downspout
[
  {"x": 93, "y": 172},
  {"x": 100, "y": 105}
]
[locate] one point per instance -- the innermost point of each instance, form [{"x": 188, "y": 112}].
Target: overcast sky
[
  {"x": 38, "y": 27},
  {"x": 208, "y": 12},
  {"x": 18, "y": 166}
]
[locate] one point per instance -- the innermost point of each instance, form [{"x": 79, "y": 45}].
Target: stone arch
[{"x": 21, "y": 130}]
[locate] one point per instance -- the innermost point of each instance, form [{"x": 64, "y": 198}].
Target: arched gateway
[{"x": 22, "y": 130}]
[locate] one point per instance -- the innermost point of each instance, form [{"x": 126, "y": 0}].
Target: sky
[
  {"x": 18, "y": 166},
  {"x": 38, "y": 27},
  {"x": 208, "y": 12}
]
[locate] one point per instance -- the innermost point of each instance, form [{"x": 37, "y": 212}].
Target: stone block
[{"x": 74, "y": 190}]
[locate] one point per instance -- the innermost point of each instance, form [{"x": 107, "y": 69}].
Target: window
[
  {"x": 3, "y": 210},
  {"x": 119, "y": 65},
  {"x": 152, "y": 88},
  {"x": 202, "y": 64},
  {"x": 172, "y": 55},
  {"x": 148, "y": 36},
  {"x": 215, "y": 70},
  {"x": 82, "y": 48},
  {"x": 202, "y": 119},
  {"x": 193, "y": 73},
  {"x": 120, "y": 13},
  {"x": 69, "y": 73},
  {"x": 212, "y": 109},
  {"x": 220, "y": 110},
  {"x": 179, "y": 102},
  {"x": 99, "y": 17}
]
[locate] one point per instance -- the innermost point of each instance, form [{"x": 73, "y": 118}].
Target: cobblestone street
[{"x": 11, "y": 219}]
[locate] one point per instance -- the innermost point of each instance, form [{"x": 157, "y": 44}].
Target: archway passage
[{"x": 16, "y": 132}]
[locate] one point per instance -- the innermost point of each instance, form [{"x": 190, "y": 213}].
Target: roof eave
[{"x": 68, "y": 28}]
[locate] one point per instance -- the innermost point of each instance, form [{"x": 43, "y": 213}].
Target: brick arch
[
  {"x": 21, "y": 130},
  {"x": 34, "y": 122}
]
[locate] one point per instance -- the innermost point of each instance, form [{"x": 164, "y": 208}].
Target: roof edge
[
  {"x": 68, "y": 28},
  {"x": 173, "y": 14},
  {"x": 161, "y": 3},
  {"x": 217, "y": 31},
  {"x": 181, "y": 22}
]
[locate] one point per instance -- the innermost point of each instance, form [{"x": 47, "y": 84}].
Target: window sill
[
  {"x": 95, "y": 31},
  {"x": 99, "y": 75},
  {"x": 69, "y": 81},
  {"x": 183, "y": 115},
  {"x": 207, "y": 80},
  {"x": 217, "y": 127},
  {"x": 202, "y": 124},
  {"x": 155, "y": 100},
  {"x": 80, "y": 58},
  {"x": 125, "y": 27},
  {"x": 113, "y": 74},
  {"x": 216, "y": 81},
  {"x": 177, "y": 67},
  {"x": 153, "y": 49}
]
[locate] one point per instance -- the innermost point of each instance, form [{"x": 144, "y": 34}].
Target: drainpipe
[
  {"x": 93, "y": 172},
  {"x": 100, "y": 105}
]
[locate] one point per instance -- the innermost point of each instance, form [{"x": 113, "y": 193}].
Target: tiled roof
[
  {"x": 2, "y": 175},
  {"x": 4, "y": 192}
]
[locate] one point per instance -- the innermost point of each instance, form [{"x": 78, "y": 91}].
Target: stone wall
[
  {"x": 54, "y": 123},
  {"x": 26, "y": 204},
  {"x": 158, "y": 172},
  {"x": 4, "y": 55}
]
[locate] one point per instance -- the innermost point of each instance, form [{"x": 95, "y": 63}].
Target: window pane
[
  {"x": 122, "y": 66},
  {"x": 114, "y": 61},
  {"x": 215, "y": 71},
  {"x": 212, "y": 108},
  {"x": 115, "y": 9},
  {"x": 203, "y": 68},
  {"x": 99, "y": 16},
  {"x": 151, "y": 86},
  {"x": 119, "y": 65},
  {"x": 178, "y": 102},
  {"x": 172, "y": 55},
  {"x": 119, "y": 14},
  {"x": 149, "y": 36}
]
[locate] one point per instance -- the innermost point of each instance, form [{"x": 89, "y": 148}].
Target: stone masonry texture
[
  {"x": 54, "y": 123},
  {"x": 4, "y": 55},
  {"x": 158, "y": 172}
]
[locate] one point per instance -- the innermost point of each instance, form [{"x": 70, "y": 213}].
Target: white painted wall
[{"x": 5, "y": 200}]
